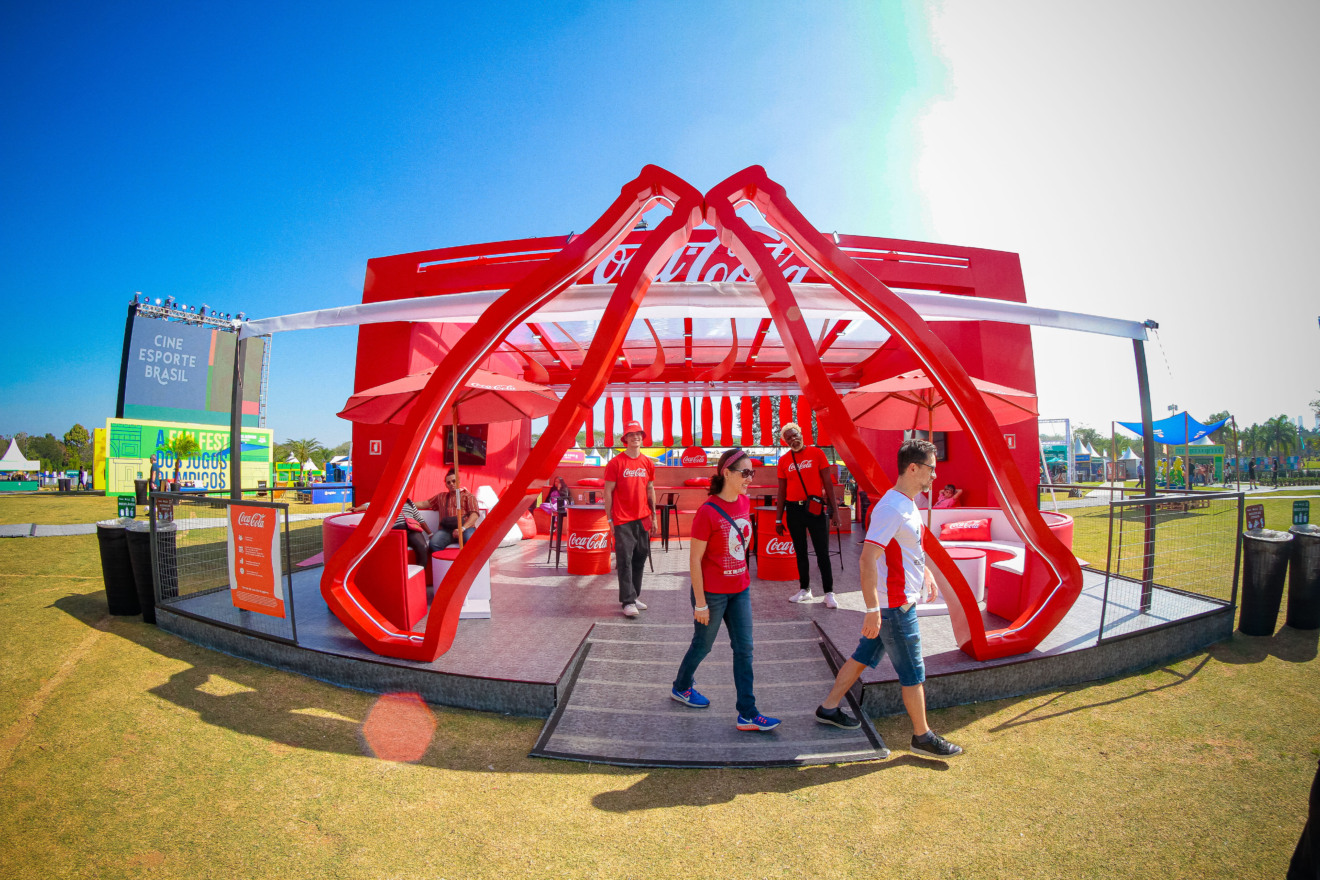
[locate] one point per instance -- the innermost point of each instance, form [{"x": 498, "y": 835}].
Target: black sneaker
[
  {"x": 935, "y": 747},
  {"x": 837, "y": 717}
]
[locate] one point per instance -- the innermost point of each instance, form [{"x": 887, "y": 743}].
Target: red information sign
[
  {"x": 1255, "y": 516},
  {"x": 255, "y": 579}
]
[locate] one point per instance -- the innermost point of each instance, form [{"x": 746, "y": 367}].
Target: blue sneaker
[
  {"x": 690, "y": 697},
  {"x": 759, "y": 722}
]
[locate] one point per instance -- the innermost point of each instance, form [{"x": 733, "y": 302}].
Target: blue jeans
[
  {"x": 440, "y": 538},
  {"x": 901, "y": 637},
  {"x": 735, "y": 609}
]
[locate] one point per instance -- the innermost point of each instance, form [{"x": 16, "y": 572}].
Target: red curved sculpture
[{"x": 654, "y": 185}]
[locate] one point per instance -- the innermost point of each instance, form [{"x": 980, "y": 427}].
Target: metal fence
[
  {"x": 1169, "y": 558},
  {"x": 190, "y": 547}
]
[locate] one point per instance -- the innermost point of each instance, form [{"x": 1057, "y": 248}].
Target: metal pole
[
  {"x": 1148, "y": 458},
  {"x": 236, "y": 424},
  {"x": 1237, "y": 456}
]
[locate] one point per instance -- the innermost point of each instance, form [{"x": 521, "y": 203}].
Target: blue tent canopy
[{"x": 1173, "y": 430}]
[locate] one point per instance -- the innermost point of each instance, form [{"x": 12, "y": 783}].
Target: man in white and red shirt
[
  {"x": 805, "y": 484},
  {"x": 894, "y": 579},
  {"x": 629, "y": 506}
]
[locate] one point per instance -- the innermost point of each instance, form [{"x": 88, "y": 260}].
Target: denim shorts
[{"x": 900, "y": 636}]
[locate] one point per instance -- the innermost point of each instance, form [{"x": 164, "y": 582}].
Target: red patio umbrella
[
  {"x": 910, "y": 401},
  {"x": 486, "y": 397}
]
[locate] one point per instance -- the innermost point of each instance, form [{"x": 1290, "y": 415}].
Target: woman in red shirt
[{"x": 721, "y": 533}]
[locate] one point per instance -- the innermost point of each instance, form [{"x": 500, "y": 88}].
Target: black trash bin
[
  {"x": 139, "y": 554},
  {"x": 65, "y": 484},
  {"x": 116, "y": 568},
  {"x": 1304, "y": 578},
  {"x": 1265, "y": 555},
  {"x": 142, "y": 491}
]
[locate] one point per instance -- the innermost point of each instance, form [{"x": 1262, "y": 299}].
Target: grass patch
[{"x": 153, "y": 756}]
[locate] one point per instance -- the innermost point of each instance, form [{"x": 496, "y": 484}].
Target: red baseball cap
[{"x": 633, "y": 428}]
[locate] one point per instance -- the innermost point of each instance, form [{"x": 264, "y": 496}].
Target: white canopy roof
[{"x": 13, "y": 460}]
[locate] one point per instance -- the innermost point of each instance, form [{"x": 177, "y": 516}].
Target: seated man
[
  {"x": 446, "y": 504},
  {"x": 949, "y": 496}
]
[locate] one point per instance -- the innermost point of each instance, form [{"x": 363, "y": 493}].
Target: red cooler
[
  {"x": 775, "y": 559},
  {"x": 588, "y": 540}
]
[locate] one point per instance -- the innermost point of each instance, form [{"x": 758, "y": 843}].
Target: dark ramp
[{"x": 617, "y": 709}]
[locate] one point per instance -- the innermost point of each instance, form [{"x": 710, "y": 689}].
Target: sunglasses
[{"x": 746, "y": 475}]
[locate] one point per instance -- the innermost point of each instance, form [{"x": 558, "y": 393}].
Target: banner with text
[{"x": 255, "y": 575}]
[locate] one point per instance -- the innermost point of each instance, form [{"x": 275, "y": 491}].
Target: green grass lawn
[
  {"x": 126, "y": 752},
  {"x": 53, "y": 509}
]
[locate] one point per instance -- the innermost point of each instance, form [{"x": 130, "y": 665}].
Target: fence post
[{"x": 1148, "y": 457}]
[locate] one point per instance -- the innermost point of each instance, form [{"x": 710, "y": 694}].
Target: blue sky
[{"x": 254, "y": 158}]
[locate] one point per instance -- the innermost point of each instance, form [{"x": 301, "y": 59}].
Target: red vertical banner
[
  {"x": 647, "y": 416},
  {"x": 785, "y": 411},
  {"x": 804, "y": 419},
  {"x": 589, "y": 428},
  {"x": 609, "y": 422},
  {"x": 745, "y": 415},
  {"x": 256, "y": 580},
  {"x": 726, "y": 421},
  {"x": 707, "y": 421},
  {"x": 627, "y": 409},
  {"x": 767, "y": 422},
  {"x": 686, "y": 412},
  {"x": 667, "y": 416}
]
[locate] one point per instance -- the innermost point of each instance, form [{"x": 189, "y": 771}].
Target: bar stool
[
  {"x": 669, "y": 507},
  {"x": 557, "y": 529}
]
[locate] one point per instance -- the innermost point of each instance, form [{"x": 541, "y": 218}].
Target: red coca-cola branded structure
[
  {"x": 805, "y": 316},
  {"x": 775, "y": 557}
]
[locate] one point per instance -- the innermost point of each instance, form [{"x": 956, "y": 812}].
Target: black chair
[
  {"x": 864, "y": 503},
  {"x": 669, "y": 508}
]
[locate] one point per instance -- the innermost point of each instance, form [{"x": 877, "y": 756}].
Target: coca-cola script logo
[
  {"x": 695, "y": 459},
  {"x": 588, "y": 541},
  {"x": 703, "y": 261},
  {"x": 634, "y": 472},
  {"x": 779, "y": 547},
  {"x": 256, "y": 520}
]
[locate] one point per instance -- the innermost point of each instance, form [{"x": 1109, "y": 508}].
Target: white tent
[
  {"x": 310, "y": 466},
  {"x": 13, "y": 460}
]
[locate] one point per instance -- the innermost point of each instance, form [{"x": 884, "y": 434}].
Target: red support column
[
  {"x": 686, "y": 412},
  {"x": 804, "y": 419},
  {"x": 707, "y": 421},
  {"x": 646, "y": 420},
  {"x": 627, "y": 410},
  {"x": 767, "y": 422},
  {"x": 609, "y": 422},
  {"x": 726, "y": 421},
  {"x": 589, "y": 428},
  {"x": 745, "y": 412},
  {"x": 785, "y": 411},
  {"x": 667, "y": 417}
]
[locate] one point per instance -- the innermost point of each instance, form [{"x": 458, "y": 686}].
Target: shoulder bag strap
[{"x": 737, "y": 531}]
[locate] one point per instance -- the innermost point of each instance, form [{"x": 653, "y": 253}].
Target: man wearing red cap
[{"x": 629, "y": 505}]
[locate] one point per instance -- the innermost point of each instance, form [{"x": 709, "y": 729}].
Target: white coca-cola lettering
[
  {"x": 703, "y": 261},
  {"x": 634, "y": 472},
  {"x": 256, "y": 520},
  {"x": 779, "y": 547},
  {"x": 588, "y": 541},
  {"x": 694, "y": 459}
]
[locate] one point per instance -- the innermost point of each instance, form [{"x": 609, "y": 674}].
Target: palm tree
[
  {"x": 180, "y": 446},
  {"x": 1280, "y": 435},
  {"x": 303, "y": 449}
]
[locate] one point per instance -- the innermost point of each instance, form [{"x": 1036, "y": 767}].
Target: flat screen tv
[
  {"x": 938, "y": 438},
  {"x": 471, "y": 444}
]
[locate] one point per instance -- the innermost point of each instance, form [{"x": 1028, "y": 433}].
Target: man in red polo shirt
[
  {"x": 804, "y": 479},
  {"x": 629, "y": 506}
]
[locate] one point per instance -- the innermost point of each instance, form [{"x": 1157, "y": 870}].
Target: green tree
[
  {"x": 1315, "y": 404},
  {"x": 180, "y": 446},
  {"x": 48, "y": 450},
  {"x": 1280, "y": 435},
  {"x": 303, "y": 450}
]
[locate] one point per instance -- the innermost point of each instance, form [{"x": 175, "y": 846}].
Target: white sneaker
[
  {"x": 630, "y": 610},
  {"x": 801, "y": 596},
  {"x": 829, "y": 601},
  {"x": 641, "y": 606}
]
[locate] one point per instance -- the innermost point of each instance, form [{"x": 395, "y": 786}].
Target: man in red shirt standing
[
  {"x": 629, "y": 505},
  {"x": 804, "y": 478}
]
